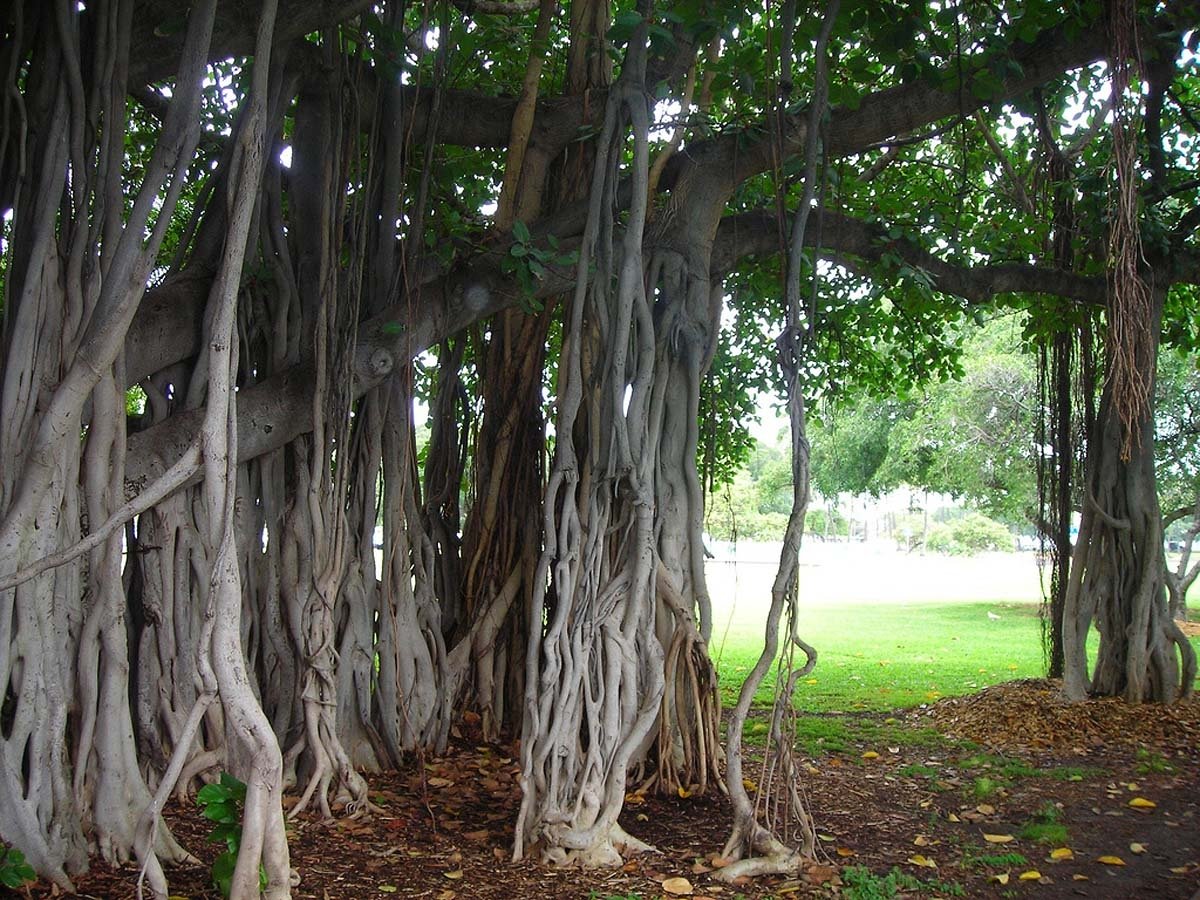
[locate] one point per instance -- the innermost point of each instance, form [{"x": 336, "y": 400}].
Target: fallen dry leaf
[
  {"x": 870, "y": 754},
  {"x": 1031, "y": 875},
  {"x": 924, "y": 861},
  {"x": 1078, "y": 876},
  {"x": 1002, "y": 878},
  {"x": 986, "y": 809},
  {"x": 1142, "y": 803},
  {"x": 997, "y": 838},
  {"x": 1111, "y": 860},
  {"x": 1062, "y": 853},
  {"x": 677, "y": 886},
  {"x": 454, "y": 874},
  {"x": 1136, "y": 848},
  {"x": 953, "y": 818},
  {"x": 818, "y": 874},
  {"x": 844, "y": 852},
  {"x": 921, "y": 841}
]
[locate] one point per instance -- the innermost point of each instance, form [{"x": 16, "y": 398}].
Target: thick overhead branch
[
  {"x": 472, "y": 120},
  {"x": 757, "y": 233},
  {"x": 276, "y": 411},
  {"x": 279, "y": 409}
]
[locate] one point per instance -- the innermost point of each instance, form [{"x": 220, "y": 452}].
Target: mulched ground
[{"x": 918, "y": 804}]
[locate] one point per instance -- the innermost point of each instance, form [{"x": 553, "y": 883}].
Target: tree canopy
[{"x": 609, "y": 223}]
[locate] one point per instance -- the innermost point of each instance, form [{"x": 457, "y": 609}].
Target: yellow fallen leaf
[
  {"x": 1111, "y": 860},
  {"x": 985, "y": 809},
  {"x": 749, "y": 785},
  {"x": 387, "y": 889},
  {"x": 635, "y": 799},
  {"x": 870, "y": 754},
  {"x": 844, "y": 852},
  {"x": 1079, "y": 877},
  {"x": 1002, "y": 878},
  {"x": 920, "y": 860},
  {"x": 1136, "y": 848},
  {"x": 1180, "y": 870},
  {"x": 953, "y": 818},
  {"x": 454, "y": 874},
  {"x": 683, "y": 792},
  {"x": 1062, "y": 853},
  {"x": 1142, "y": 803},
  {"x": 812, "y": 770},
  {"x": 998, "y": 838},
  {"x": 921, "y": 841},
  {"x": 1031, "y": 875},
  {"x": 678, "y": 886},
  {"x": 642, "y": 817}
]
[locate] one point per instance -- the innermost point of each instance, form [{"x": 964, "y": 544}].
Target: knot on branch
[
  {"x": 790, "y": 345},
  {"x": 382, "y": 362}
]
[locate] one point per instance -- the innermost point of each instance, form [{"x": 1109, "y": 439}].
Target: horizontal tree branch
[{"x": 757, "y": 233}]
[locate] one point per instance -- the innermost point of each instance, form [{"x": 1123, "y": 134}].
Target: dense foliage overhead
[{"x": 232, "y": 233}]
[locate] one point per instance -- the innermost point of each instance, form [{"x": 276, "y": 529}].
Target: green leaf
[
  {"x": 221, "y": 812},
  {"x": 660, "y": 36},
  {"x": 237, "y": 789},
  {"x": 627, "y": 19},
  {"x": 212, "y": 793},
  {"x": 520, "y": 231},
  {"x": 10, "y": 879},
  {"x": 222, "y": 872}
]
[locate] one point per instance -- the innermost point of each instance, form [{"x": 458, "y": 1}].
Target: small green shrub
[
  {"x": 984, "y": 788},
  {"x": 916, "y": 770},
  {"x": 15, "y": 873},
  {"x": 973, "y": 533},
  {"x": 994, "y": 861},
  {"x": 222, "y": 803},
  {"x": 1150, "y": 762},
  {"x": 1045, "y": 828},
  {"x": 860, "y": 883}
]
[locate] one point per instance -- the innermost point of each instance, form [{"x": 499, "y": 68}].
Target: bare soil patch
[{"x": 1009, "y": 758}]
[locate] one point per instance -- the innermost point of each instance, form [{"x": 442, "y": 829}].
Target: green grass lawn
[{"x": 891, "y": 656}]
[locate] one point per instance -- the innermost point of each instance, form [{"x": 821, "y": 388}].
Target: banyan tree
[{"x": 250, "y": 248}]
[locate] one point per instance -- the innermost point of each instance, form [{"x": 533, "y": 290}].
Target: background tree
[{"x": 282, "y": 425}]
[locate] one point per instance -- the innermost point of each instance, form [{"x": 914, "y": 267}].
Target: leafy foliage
[
  {"x": 973, "y": 533},
  {"x": 529, "y": 263},
  {"x": 861, "y": 884},
  {"x": 15, "y": 873},
  {"x": 222, "y": 803}
]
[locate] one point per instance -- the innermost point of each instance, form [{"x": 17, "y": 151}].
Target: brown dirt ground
[{"x": 445, "y": 828}]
